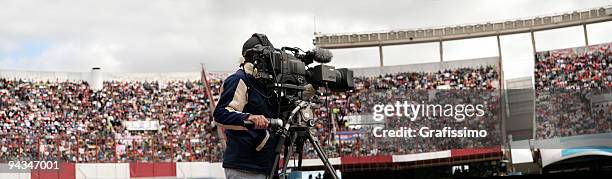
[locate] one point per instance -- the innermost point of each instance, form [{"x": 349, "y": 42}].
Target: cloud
[{"x": 172, "y": 36}]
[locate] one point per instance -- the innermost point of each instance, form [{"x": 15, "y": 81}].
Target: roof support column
[
  {"x": 586, "y": 36},
  {"x": 380, "y": 55},
  {"x": 533, "y": 132},
  {"x": 502, "y": 91},
  {"x": 533, "y": 43},
  {"x": 441, "y": 52}
]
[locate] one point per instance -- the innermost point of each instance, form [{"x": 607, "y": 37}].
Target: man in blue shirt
[{"x": 249, "y": 152}]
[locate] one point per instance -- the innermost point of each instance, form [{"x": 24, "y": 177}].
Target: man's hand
[{"x": 260, "y": 121}]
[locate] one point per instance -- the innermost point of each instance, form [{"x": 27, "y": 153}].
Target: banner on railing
[{"x": 141, "y": 125}]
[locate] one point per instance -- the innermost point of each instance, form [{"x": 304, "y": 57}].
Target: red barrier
[
  {"x": 165, "y": 169},
  {"x": 66, "y": 171},
  {"x": 347, "y": 160},
  {"x": 477, "y": 151},
  {"x": 152, "y": 169}
]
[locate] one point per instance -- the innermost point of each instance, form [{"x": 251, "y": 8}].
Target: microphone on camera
[{"x": 321, "y": 55}]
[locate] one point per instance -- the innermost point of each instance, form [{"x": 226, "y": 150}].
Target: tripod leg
[
  {"x": 328, "y": 166},
  {"x": 288, "y": 150},
  {"x": 277, "y": 150},
  {"x": 300, "y": 151},
  {"x": 276, "y": 159}
]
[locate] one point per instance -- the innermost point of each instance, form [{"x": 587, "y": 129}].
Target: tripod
[{"x": 298, "y": 134}]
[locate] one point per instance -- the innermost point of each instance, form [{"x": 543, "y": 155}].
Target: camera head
[{"x": 287, "y": 69}]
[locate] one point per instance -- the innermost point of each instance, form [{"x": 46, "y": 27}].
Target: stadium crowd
[
  {"x": 71, "y": 122},
  {"x": 567, "y": 81},
  {"x": 76, "y": 123},
  {"x": 572, "y": 70},
  {"x": 456, "y": 86}
]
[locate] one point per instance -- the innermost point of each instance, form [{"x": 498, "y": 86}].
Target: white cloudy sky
[{"x": 172, "y": 36}]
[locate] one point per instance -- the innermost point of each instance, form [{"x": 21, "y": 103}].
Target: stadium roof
[{"x": 436, "y": 34}]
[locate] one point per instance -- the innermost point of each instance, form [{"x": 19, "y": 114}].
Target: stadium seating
[
  {"x": 566, "y": 81},
  {"x": 71, "y": 122},
  {"x": 449, "y": 87}
]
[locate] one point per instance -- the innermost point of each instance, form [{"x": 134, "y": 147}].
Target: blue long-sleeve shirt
[{"x": 247, "y": 149}]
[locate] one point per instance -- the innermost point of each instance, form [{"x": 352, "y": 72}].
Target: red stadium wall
[
  {"x": 205, "y": 169},
  {"x": 477, "y": 151},
  {"x": 352, "y": 160},
  {"x": 66, "y": 171},
  {"x": 152, "y": 169}
]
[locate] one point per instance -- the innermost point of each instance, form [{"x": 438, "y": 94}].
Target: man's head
[{"x": 255, "y": 40}]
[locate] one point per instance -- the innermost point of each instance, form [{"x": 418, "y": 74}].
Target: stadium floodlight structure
[{"x": 440, "y": 34}]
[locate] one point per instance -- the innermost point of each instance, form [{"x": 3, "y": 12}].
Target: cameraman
[{"x": 250, "y": 152}]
